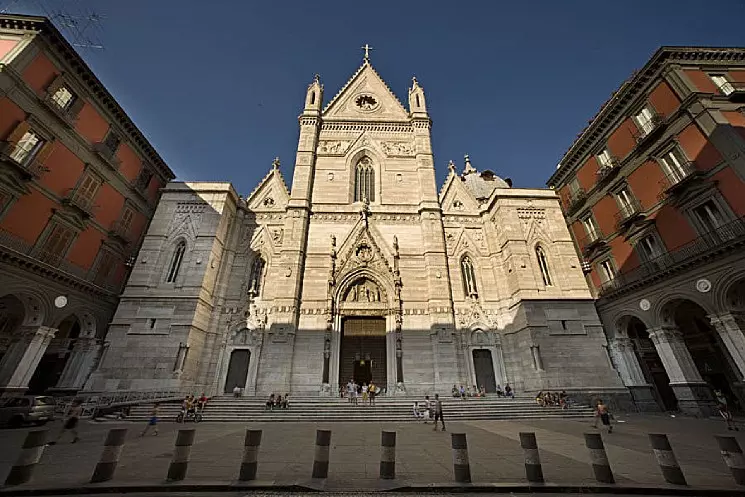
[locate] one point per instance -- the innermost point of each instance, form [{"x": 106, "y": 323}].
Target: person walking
[
  {"x": 602, "y": 412},
  {"x": 153, "y": 421},
  {"x": 723, "y": 409},
  {"x": 438, "y": 412},
  {"x": 364, "y": 393},
  {"x": 71, "y": 423},
  {"x": 427, "y": 409},
  {"x": 373, "y": 391}
]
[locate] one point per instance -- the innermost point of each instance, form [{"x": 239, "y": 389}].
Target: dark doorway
[
  {"x": 649, "y": 360},
  {"x": 49, "y": 370},
  {"x": 484, "y": 367},
  {"x": 362, "y": 354},
  {"x": 237, "y": 370}
]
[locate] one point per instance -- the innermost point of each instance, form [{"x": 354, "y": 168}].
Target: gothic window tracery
[
  {"x": 543, "y": 265},
  {"x": 364, "y": 183},
  {"x": 176, "y": 260},
  {"x": 257, "y": 274},
  {"x": 469, "y": 277}
]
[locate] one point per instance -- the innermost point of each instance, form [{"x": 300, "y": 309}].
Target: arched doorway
[
  {"x": 712, "y": 360},
  {"x": 237, "y": 370},
  {"x": 652, "y": 367},
  {"x": 52, "y": 364}
]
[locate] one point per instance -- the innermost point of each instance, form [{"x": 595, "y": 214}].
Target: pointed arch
[
  {"x": 256, "y": 278},
  {"x": 364, "y": 180},
  {"x": 468, "y": 275},
  {"x": 385, "y": 284},
  {"x": 174, "y": 268},
  {"x": 543, "y": 265}
]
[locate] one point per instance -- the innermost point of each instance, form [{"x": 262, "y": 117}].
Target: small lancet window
[
  {"x": 469, "y": 277},
  {"x": 543, "y": 265},
  {"x": 257, "y": 273},
  {"x": 364, "y": 183},
  {"x": 312, "y": 98},
  {"x": 178, "y": 257},
  {"x": 417, "y": 101}
]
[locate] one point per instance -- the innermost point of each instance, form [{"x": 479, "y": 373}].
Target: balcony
[
  {"x": 649, "y": 131},
  {"x": 677, "y": 180},
  {"x": 108, "y": 154},
  {"x": 13, "y": 244},
  {"x": 591, "y": 243},
  {"x": 628, "y": 214},
  {"x": 28, "y": 169},
  {"x": 734, "y": 91},
  {"x": 576, "y": 200},
  {"x": 118, "y": 230},
  {"x": 724, "y": 239},
  {"x": 608, "y": 171},
  {"x": 81, "y": 203},
  {"x": 67, "y": 114}
]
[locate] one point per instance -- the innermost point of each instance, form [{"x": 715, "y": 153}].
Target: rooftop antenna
[{"x": 81, "y": 25}]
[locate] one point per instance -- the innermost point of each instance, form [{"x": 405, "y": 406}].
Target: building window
[
  {"x": 709, "y": 216},
  {"x": 469, "y": 277},
  {"x": 645, "y": 120},
  {"x": 151, "y": 323},
  {"x": 143, "y": 179},
  {"x": 55, "y": 246},
  {"x": 605, "y": 159},
  {"x": 27, "y": 148},
  {"x": 63, "y": 98},
  {"x": 364, "y": 184},
  {"x": 591, "y": 228},
  {"x": 106, "y": 264},
  {"x": 648, "y": 248},
  {"x": 606, "y": 270},
  {"x": 722, "y": 83},
  {"x": 257, "y": 275},
  {"x": 86, "y": 190},
  {"x": 626, "y": 202},
  {"x": 543, "y": 265},
  {"x": 574, "y": 186},
  {"x": 178, "y": 258},
  {"x": 112, "y": 142},
  {"x": 675, "y": 165}
]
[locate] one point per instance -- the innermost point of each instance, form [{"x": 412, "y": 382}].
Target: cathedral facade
[{"x": 361, "y": 270}]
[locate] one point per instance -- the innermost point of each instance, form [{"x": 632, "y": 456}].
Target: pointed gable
[
  {"x": 455, "y": 198},
  {"x": 365, "y": 97},
  {"x": 271, "y": 194}
]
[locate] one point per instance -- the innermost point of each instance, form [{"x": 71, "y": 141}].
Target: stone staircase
[{"x": 390, "y": 409}]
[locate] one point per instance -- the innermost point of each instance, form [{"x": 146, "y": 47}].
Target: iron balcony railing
[
  {"x": 29, "y": 167},
  {"x": 608, "y": 171},
  {"x": 591, "y": 241},
  {"x": 121, "y": 231},
  {"x": 627, "y": 213},
  {"x": 677, "y": 177},
  {"x": 647, "y": 128},
  {"x": 576, "y": 199},
  {"x": 82, "y": 202},
  {"x": 720, "y": 239},
  {"x": 107, "y": 153},
  {"x": 16, "y": 244}
]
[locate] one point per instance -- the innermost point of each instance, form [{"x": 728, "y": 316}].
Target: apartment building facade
[
  {"x": 653, "y": 193},
  {"x": 78, "y": 186}
]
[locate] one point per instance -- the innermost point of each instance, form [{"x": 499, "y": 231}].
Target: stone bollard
[
  {"x": 388, "y": 455},
  {"x": 181, "y": 451},
  {"x": 250, "y": 455},
  {"x": 600, "y": 464},
  {"x": 732, "y": 454},
  {"x": 666, "y": 459},
  {"x": 533, "y": 469},
  {"x": 112, "y": 450},
  {"x": 461, "y": 466},
  {"x": 321, "y": 458},
  {"x": 31, "y": 451}
]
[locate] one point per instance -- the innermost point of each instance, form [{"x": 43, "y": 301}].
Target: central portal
[{"x": 363, "y": 351}]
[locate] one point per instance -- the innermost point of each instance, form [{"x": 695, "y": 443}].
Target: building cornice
[
  {"x": 55, "y": 40},
  {"x": 615, "y": 108}
]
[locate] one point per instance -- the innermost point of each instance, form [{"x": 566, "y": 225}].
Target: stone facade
[{"x": 477, "y": 284}]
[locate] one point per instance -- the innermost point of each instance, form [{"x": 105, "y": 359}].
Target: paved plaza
[{"x": 423, "y": 456}]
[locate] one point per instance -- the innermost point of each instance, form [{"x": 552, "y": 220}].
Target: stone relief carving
[
  {"x": 363, "y": 290},
  {"x": 277, "y": 236},
  {"x": 398, "y": 148},
  {"x": 332, "y": 146},
  {"x": 531, "y": 212},
  {"x": 246, "y": 336},
  {"x": 268, "y": 202},
  {"x": 364, "y": 252}
]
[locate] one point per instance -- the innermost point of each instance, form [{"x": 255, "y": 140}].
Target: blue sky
[{"x": 217, "y": 85}]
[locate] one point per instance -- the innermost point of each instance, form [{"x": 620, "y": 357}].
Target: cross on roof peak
[{"x": 367, "y": 49}]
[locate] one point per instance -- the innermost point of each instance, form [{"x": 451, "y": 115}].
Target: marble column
[
  {"x": 728, "y": 327},
  {"x": 79, "y": 365},
  {"x": 693, "y": 394},
  {"x": 627, "y": 364},
  {"x": 20, "y": 361}
]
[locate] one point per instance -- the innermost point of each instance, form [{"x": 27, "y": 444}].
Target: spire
[
  {"x": 469, "y": 168},
  {"x": 417, "y": 103},
  {"x": 314, "y": 96},
  {"x": 275, "y": 164}
]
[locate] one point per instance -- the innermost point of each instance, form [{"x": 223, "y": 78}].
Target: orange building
[
  {"x": 78, "y": 186},
  {"x": 653, "y": 193}
]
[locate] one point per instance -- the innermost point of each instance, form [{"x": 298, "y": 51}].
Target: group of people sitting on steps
[
  {"x": 548, "y": 399},
  {"x": 278, "y": 402},
  {"x": 462, "y": 392}
]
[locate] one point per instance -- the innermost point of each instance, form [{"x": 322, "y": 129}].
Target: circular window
[{"x": 366, "y": 102}]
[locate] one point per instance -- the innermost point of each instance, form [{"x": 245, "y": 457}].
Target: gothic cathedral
[{"x": 362, "y": 270}]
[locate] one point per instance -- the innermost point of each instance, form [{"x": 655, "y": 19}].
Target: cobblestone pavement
[{"x": 423, "y": 456}]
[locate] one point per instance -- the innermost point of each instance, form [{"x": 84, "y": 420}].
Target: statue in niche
[{"x": 363, "y": 291}]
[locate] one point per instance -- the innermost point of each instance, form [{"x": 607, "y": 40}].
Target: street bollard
[
  {"x": 533, "y": 469},
  {"x": 321, "y": 458},
  {"x": 461, "y": 466},
  {"x": 181, "y": 452},
  {"x": 599, "y": 459},
  {"x": 666, "y": 459},
  {"x": 732, "y": 455},
  {"x": 250, "y": 455},
  {"x": 388, "y": 455},
  {"x": 112, "y": 450},
  {"x": 31, "y": 451}
]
